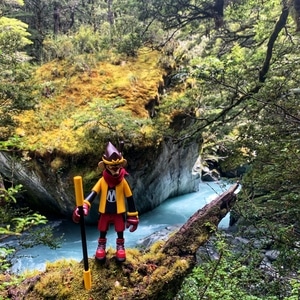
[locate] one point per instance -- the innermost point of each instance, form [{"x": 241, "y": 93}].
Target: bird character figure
[{"x": 116, "y": 205}]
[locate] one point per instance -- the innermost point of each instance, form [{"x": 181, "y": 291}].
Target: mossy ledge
[{"x": 143, "y": 276}]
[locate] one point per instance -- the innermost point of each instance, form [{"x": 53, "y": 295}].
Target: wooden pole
[{"x": 79, "y": 202}]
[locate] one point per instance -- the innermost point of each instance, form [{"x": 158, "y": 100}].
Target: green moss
[
  {"x": 142, "y": 274},
  {"x": 65, "y": 118},
  {"x": 57, "y": 163}
]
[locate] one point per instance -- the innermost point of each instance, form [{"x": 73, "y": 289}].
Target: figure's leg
[
  {"x": 100, "y": 252},
  {"x": 102, "y": 227},
  {"x": 120, "y": 227},
  {"x": 120, "y": 253}
]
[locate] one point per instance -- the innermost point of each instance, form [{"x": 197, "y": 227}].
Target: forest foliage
[{"x": 230, "y": 66}]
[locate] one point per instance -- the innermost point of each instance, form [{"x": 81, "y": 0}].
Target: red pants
[{"x": 106, "y": 219}]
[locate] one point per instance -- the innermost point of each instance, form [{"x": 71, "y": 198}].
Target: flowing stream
[{"x": 174, "y": 211}]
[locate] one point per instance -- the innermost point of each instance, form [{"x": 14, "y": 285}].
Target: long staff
[{"x": 79, "y": 203}]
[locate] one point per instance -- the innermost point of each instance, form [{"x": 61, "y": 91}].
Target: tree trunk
[
  {"x": 180, "y": 249},
  {"x": 56, "y": 18},
  {"x": 2, "y": 191},
  {"x": 164, "y": 275},
  {"x": 110, "y": 13},
  {"x": 297, "y": 14}
]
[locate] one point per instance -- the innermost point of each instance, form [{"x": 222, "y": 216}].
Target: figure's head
[{"x": 112, "y": 160}]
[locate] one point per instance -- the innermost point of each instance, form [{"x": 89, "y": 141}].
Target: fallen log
[{"x": 180, "y": 249}]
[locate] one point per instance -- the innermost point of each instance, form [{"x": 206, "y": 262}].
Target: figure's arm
[
  {"x": 132, "y": 215},
  {"x": 90, "y": 198},
  {"x": 131, "y": 206},
  {"x": 86, "y": 203}
]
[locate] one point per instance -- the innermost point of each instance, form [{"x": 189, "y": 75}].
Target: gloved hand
[
  {"x": 132, "y": 222},
  {"x": 76, "y": 215}
]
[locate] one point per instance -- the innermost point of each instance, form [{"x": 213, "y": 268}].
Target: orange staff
[{"x": 79, "y": 202}]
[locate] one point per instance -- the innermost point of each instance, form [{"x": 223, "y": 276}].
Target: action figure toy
[{"x": 114, "y": 191}]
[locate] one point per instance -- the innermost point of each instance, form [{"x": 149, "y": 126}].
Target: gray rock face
[
  {"x": 155, "y": 174},
  {"x": 43, "y": 189},
  {"x": 166, "y": 173}
]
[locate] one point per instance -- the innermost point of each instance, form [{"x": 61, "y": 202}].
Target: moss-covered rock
[
  {"x": 78, "y": 111},
  {"x": 142, "y": 276}
]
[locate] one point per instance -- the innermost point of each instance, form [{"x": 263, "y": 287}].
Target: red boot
[
  {"x": 100, "y": 252},
  {"x": 120, "y": 253}
]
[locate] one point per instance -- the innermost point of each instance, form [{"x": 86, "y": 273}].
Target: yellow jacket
[{"x": 122, "y": 190}]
